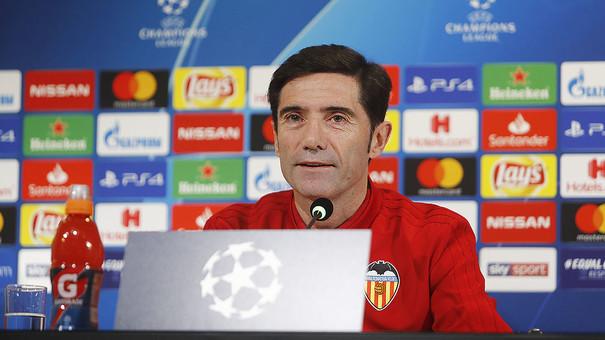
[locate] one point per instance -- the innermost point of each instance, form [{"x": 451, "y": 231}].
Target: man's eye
[
  {"x": 293, "y": 118},
  {"x": 338, "y": 118}
]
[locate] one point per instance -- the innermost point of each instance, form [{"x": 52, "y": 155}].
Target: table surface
[{"x": 152, "y": 335}]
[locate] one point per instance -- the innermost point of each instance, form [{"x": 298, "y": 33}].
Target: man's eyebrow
[
  {"x": 290, "y": 108},
  {"x": 342, "y": 109}
]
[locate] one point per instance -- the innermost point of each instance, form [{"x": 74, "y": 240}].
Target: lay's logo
[
  {"x": 514, "y": 175},
  {"x": 518, "y": 176},
  {"x": 39, "y": 223},
  {"x": 205, "y": 87},
  {"x": 209, "y": 88}
]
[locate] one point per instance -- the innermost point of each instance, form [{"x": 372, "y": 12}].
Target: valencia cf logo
[{"x": 382, "y": 284}]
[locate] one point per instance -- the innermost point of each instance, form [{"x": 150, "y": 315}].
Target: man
[{"x": 328, "y": 105}]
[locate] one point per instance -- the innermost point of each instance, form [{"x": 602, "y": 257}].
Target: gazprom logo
[
  {"x": 7, "y": 99},
  {"x": 113, "y": 139},
  {"x": 578, "y": 89},
  {"x": 264, "y": 182}
]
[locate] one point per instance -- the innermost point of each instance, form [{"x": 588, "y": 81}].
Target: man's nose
[{"x": 315, "y": 138}]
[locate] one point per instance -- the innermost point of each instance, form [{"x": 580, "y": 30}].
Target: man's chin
[{"x": 314, "y": 190}]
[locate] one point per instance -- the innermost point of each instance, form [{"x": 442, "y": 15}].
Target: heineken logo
[
  {"x": 210, "y": 178},
  {"x": 519, "y": 84},
  {"x": 58, "y": 135}
]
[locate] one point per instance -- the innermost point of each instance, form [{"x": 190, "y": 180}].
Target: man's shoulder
[{"x": 248, "y": 214}]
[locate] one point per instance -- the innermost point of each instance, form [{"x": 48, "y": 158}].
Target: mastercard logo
[
  {"x": 139, "y": 86},
  {"x": 590, "y": 218},
  {"x": 444, "y": 173},
  {"x": 268, "y": 130}
]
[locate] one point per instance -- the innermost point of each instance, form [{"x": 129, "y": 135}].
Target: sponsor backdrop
[{"x": 160, "y": 107}]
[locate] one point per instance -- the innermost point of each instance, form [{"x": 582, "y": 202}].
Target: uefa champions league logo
[
  {"x": 173, "y": 7},
  {"x": 241, "y": 280},
  {"x": 481, "y": 4}
]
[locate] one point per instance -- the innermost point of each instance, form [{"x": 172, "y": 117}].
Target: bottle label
[{"x": 76, "y": 298}]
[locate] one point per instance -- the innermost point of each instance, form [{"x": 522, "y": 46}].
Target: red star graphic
[
  {"x": 207, "y": 171},
  {"x": 519, "y": 76},
  {"x": 58, "y": 127}
]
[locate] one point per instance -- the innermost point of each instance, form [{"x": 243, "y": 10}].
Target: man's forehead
[{"x": 321, "y": 90}]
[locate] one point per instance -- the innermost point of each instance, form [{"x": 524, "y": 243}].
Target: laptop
[{"x": 262, "y": 280}]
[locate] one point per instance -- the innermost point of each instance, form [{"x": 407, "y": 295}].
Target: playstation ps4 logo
[
  {"x": 582, "y": 130},
  {"x": 441, "y": 84},
  {"x": 130, "y": 179},
  {"x": 576, "y": 130},
  {"x": 111, "y": 180}
]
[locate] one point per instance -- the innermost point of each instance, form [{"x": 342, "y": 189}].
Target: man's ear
[
  {"x": 275, "y": 143},
  {"x": 380, "y": 137}
]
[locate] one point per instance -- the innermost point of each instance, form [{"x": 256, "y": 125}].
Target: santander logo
[
  {"x": 57, "y": 176},
  {"x": 519, "y": 126}
]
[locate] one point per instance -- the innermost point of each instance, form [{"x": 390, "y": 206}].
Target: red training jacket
[{"x": 431, "y": 248}]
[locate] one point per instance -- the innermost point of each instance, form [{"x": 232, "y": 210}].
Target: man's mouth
[{"x": 314, "y": 164}]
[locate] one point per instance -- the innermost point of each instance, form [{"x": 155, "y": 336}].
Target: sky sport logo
[{"x": 517, "y": 269}]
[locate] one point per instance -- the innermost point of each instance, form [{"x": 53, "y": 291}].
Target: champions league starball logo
[
  {"x": 240, "y": 281},
  {"x": 173, "y": 7}
]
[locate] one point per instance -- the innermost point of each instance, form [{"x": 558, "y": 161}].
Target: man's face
[{"x": 322, "y": 136}]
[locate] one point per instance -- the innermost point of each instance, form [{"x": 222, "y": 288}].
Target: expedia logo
[
  {"x": 382, "y": 284},
  {"x": 517, "y": 269},
  {"x": 440, "y": 177},
  {"x": 205, "y": 87}
]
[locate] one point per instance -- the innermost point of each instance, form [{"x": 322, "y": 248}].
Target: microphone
[{"x": 321, "y": 209}]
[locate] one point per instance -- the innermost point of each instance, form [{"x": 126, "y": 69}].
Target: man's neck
[{"x": 345, "y": 206}]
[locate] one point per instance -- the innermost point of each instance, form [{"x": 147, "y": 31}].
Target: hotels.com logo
[
  {"x": 596, "y": 169},
  {"x": 440, "y": 123},
  {"x": 198, "y": 86},
  {"x": 131, "y": 218},
  {"x": 517, "y": 175}
]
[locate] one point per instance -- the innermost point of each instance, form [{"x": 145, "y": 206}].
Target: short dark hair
[{"x": 374, "y": 83}]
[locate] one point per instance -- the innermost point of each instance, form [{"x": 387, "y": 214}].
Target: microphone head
[{"x": 321, "y": 209}]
